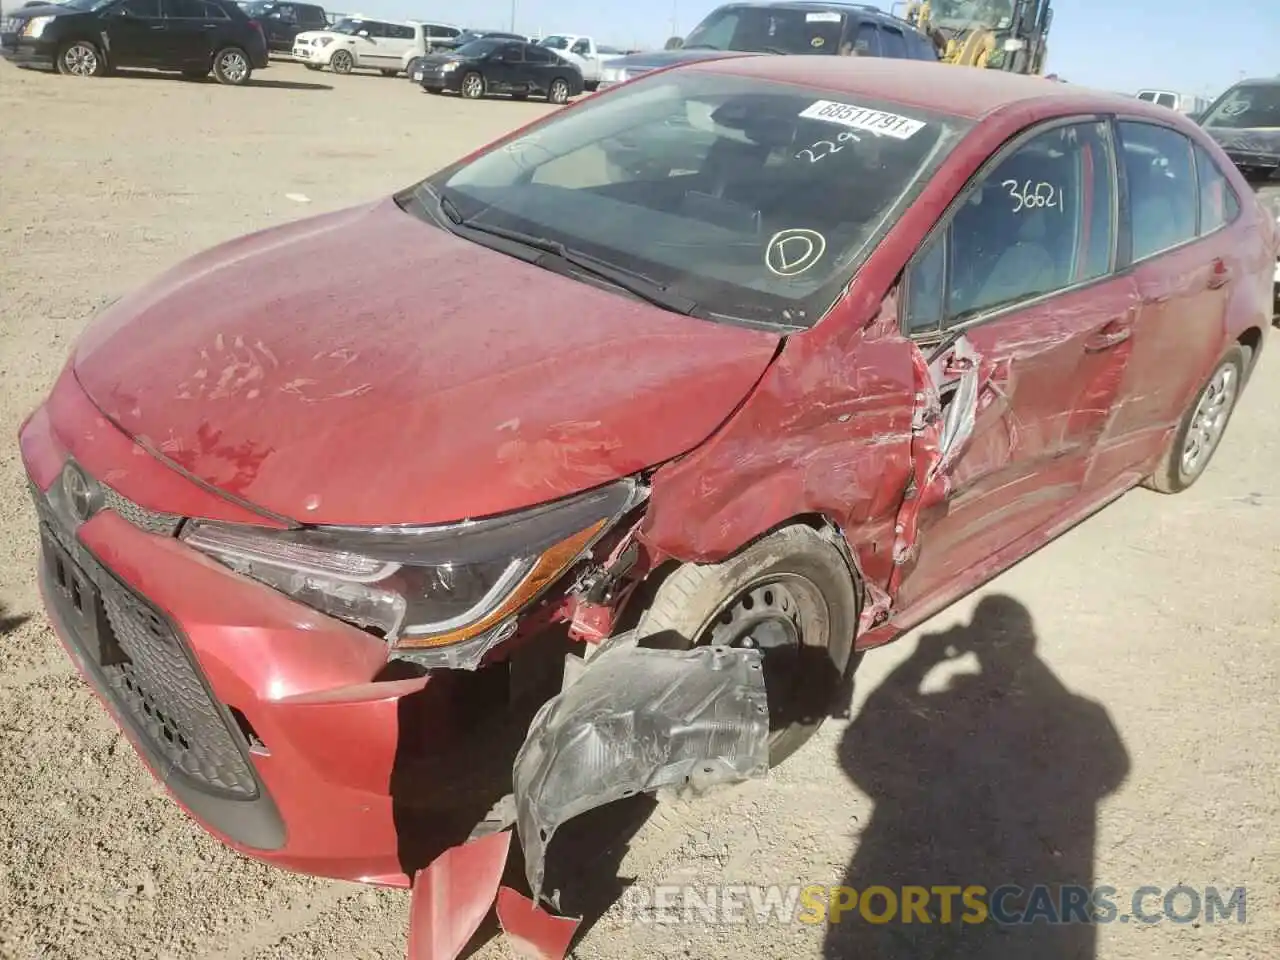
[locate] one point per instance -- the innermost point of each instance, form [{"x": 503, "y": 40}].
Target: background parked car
[
  {"x": 413, "y": 69},
  {"x": 283, "y": 21},
  {"x": 87, "y": 38},
  {"x": 488, "y": 66},
  {"x": 360, "y": 43}
]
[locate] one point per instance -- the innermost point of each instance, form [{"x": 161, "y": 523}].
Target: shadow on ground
[
  {"x": 255, "y": 81},
  {"x": 994, "y": 780},
  {"x": 9, "y": 624}
]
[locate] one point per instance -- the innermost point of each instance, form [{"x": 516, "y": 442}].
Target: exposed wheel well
[{"x": 1252, "y": 340}]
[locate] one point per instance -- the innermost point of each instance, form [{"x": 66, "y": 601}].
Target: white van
[
  {"x": 363, "y": 43},
  {"x": 1182, "y": 102}
]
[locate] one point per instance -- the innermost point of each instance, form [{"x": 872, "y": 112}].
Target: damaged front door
[{"x": 1021, "y": 335}]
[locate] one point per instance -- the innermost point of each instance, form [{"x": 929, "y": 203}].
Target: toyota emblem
[{"x": 80, "y": 493}]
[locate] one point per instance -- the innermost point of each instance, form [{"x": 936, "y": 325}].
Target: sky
[{"x": 1123, "y": 46}]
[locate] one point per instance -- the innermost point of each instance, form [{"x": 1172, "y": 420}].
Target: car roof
[
  {"x": 815, "y": 6},
  {"x": 943, "y": 88}
]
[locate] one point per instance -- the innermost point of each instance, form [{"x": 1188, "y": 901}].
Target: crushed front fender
[{"x": 634, "y": 720}]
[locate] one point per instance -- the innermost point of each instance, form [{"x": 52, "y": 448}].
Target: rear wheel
[
  {"x": 559, "y": 92},
  {"x": 231, "y": 66},
  {"x": 1202, "y": 426},
  {"x": 81, "y": 58},
  {"x": 472, "y": 86},
  {"x": 790, "y": 595},
  {"x": 341, "y": 62}
]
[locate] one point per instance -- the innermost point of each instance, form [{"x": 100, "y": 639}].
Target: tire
[
  {"x": 558, "y": 92},
  {"x": 231, "y": 66},
  {"x": 411, "y": 66},
  {"x": 793, "y": 576},
  {"x": 80, "y": 58},
  {"x": 1216, "y": 399},
  {"x": 472, "y": 86},
  {"x": 341, "y": 62}
]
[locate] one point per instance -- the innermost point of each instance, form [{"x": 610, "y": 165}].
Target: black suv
[
  {"x": 88, "y": 38},
  {"x": 790, "y": 27},
  {"x": 283, "y": 21}
]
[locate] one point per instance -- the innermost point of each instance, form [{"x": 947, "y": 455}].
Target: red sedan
[{"x": 324, "y": 508}]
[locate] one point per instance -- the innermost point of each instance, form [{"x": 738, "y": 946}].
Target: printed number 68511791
[{"x": 1034, "y": 196}]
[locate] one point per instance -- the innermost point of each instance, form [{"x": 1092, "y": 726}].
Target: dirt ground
[{"x": 1125, "y": 724}]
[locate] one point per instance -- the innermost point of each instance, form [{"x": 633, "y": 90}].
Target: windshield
[
  {"x": 997, "y": 14},
  {"x": 768, "y": 30},
  {"x": 348, "y": 26},
  {"x": 555, "y": 42},
  {"x": 755, "y": 200},
  {"x": 1244, "y": 107},
  {"x": 479, "y": 48}
]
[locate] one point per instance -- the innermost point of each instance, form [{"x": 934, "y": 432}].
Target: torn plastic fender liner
[{"x": 635, "y": 720}]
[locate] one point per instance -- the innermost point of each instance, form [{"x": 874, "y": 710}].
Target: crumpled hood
[
  {"x": 1254, "y": 140},
  {"x": 365, "y": 367}
]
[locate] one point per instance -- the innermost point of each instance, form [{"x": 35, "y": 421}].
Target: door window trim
[{"x": 1119, "y": 218}]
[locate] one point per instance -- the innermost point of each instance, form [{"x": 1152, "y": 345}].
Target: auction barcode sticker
[{"x": 862, "y": 118}]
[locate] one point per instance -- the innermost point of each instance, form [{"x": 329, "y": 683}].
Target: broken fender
[{"x": 633, "y": 720}]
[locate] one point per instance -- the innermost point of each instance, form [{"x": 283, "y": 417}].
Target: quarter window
[
  {"x": 867, "y": 41},
  {"x": 1162, "y": 187},
  {"x": 1042, "y": 220},
  {"x": 1218, "y": 203},
  {"x": 894, "y": 44}
]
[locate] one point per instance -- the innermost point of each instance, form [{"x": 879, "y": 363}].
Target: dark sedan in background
[
  {"x": 89, "y": 38},
  {"x": 494, "y": 65}
]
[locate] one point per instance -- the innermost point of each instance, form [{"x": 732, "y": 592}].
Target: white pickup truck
[{"x": 582, "y": 52}]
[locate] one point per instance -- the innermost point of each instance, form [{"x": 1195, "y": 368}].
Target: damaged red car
[{"x": 589, "y": 464}]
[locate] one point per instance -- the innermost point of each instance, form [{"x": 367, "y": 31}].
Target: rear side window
[
  {"x": 1218, "y": 202},
  {"x": 149, "y": 9},
  {"x": 892, "y": 43},
  {"x": 1147, "y": 95},
  {"x": 398, "y": 31},
  {"x": 184, "y": 9},
  {"x": 921, "y": 48},
  {"x": 311, "y": 15},
  {"x": 1166, "y": 100},
  {"x": 866, "y": 42},
  {"x": 1161, "y": 174},
  {"x": 213, "y": 11},
  {"x": 535, "y": 54}
]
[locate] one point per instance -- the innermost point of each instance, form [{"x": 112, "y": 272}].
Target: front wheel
[
  {"x": 473, "y": 86},
  {"x": 559, "y": 92},
  {"x": 341, "y": 62},
  {"x": 231, "y": 66},
  {"x": 81, "y": 59},
  {"x": 792, "y": 596},
  {"x": 1202, "y": 427}
]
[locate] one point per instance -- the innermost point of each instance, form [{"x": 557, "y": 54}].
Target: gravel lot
[{"x": 1138, "y": 743}]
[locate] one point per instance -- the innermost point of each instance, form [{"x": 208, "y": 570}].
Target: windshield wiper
[{"x": 556, "y": 253}]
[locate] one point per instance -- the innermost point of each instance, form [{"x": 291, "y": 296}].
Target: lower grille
[{"x": 143, "y": 667}]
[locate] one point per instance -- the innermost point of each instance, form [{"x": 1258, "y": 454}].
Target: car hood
[
  {"x": 1259, "y": 140},
  {"x": 665, "y": 58},
  {"x": 44, "y": 10},
  {"x": 365, "y": 367}
]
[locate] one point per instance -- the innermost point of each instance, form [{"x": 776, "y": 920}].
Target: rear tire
[
  {"x": 80, "y": 58},
  {"x": 793, "y": 584},
  {"x": 231, "y": 66},
  {"x": 1202, "y": 427}
]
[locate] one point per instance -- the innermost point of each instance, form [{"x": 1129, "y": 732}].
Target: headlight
[
  {"x": 422, "y": 588},
  {"x": 449, "y": 67},
  {"x": 323, "y": 41},
  {"x": 35, "y": 26}
]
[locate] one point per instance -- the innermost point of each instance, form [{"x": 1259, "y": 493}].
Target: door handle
[
  {"x": 159, "y": 26},
  {"x": 1219, "y": 274},
  {"x": 1107, "y": 337}
]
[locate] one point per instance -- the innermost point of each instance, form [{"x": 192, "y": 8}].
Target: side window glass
[
  {"x": 1039, "y": 222},
  {"x": 893, "y": 43},
  {"x": 143, "y": 8},
  {"x": 1162, "y": 187},
  {"x": 214, "y": 12},
  {"x": 1166, "y": 100},
  {"x": 866, "y": 42},
  {"x": 1218, "y": 202},
  {"x": 184, "y": 9},
  {"x": 582, "y": 48},
  {"x": 926, "y": 289},
  {"x": 405, "y": 33}
]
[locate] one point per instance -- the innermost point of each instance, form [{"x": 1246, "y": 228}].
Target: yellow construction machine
[{"x": 991, "y": 34}]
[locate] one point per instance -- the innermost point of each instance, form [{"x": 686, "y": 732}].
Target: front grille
[
  {"x": 162, "y": 524},
  {"x": 141, "y": 664}
]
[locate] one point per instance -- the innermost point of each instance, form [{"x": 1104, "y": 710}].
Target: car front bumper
[
  {"x": 285, "y": 733},
  {"x": 26, "y": 52},
  {"x": 308, "y": 54},
  {"x": 450, "y": 80}
]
